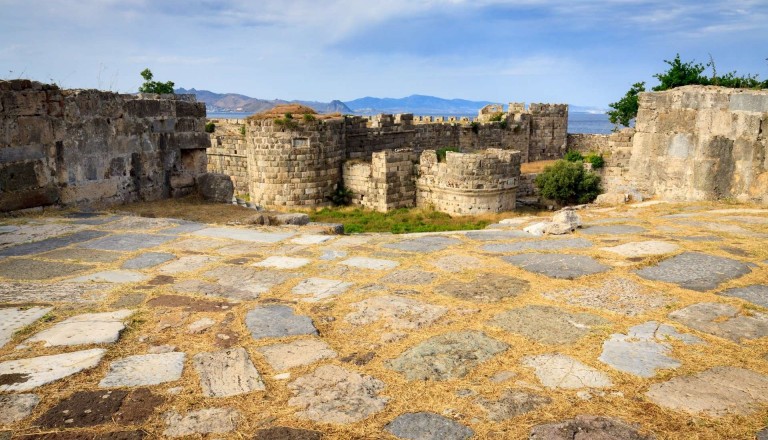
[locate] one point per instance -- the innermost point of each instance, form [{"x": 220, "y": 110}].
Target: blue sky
[{"x": 582, "y": 52}]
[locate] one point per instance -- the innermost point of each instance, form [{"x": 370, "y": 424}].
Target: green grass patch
[{"x": 398, "y": 221}]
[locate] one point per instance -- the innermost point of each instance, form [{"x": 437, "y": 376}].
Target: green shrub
[
  {"x": 309, "y": 117},
  {"x": 150, "y": 86},
  {"x": 242, "y": 130},
  {"x": 342, "y": 196},
  {"x": 567, "y": 183},
  {"x": 475, "y": 126},
  {"x": 573, "y": 156},
  {"x": 496, "y": 117},
  {"x": 596, "y": 160},
  {"x": 442, "y": 151},
  {"x": 210, "y": 127},
  {"x": 286, "y": 122}
]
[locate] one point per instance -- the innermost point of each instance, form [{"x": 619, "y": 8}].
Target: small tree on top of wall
[{"x": 150, "y": 86}]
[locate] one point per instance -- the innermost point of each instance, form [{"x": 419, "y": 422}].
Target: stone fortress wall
[
  {"x": 302, "y": 165},
  {"x": 89, "y": 147},
  {"x": 227, "y": 151}
]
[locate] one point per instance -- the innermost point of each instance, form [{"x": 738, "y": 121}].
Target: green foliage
[
  {"x": 441, "y": 152},
  {"x": 342, "y": 196},
  {"x": 596, "y": 160},
  {"x": 681, "y": 74},
  {"x": 288, "y": 116},
  {"x": 242, "y": 130},
  {"x": 625, "y": 109},
  {"x": 309, "y": 117},
  {"x": 568, "y": 183},
  {"x": 496, "y": 117},
  {"x": 287, "y": 123},
  {"x": 210, "y": 127},
  {"x": 475, "y": 126},
  {"x": 398, "y": 221},
  {"x": 150, "y": 86},
  {"x": 573, "y": 156}
]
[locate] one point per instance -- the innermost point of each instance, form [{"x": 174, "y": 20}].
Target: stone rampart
[
  {"x": 701, "y": 143},
  {"x": 587, "y": 143},
  {"x": 227, "y": 152},
  {"x": 87, "y": 146},
  {"x": 467, "y": 184},
  {"x": 386, "y": 182}
]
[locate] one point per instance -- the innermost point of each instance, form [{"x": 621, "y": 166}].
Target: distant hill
[
  {"x": 417, "y": 104},
  {"x": 233, "y": 102}
]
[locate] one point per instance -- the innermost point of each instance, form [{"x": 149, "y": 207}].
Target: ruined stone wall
[
  {"x": 87, "y": 146},
  {"x": 227, "y": 152},
  {"x": 467, "y": 184},
  {"x": 294, "y": 166},
  {"x": 387, "y": 182},
  {"x": 588, "y": 143},
  {"x": 548, "y": 133},
  {"x": 701, "y": 143}
]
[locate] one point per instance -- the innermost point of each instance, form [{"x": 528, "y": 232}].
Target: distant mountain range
[{"x": 416, "y": 104}]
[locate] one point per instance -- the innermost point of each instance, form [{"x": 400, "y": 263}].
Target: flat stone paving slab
[
  {"x": 756, "y": 294},
  {"x": 244, "y": 235},
  {"x": 147, "y": 260},
  {"x": 423, "y": 244},
  {"x": 189, "y": 304},
  {"x": 27, "y": 374},
  {"x": 584, "y": 427},
  {"x": 276, "y": 321},
  {"x": 557, "y": 265},
  {"x": 551, "y": 244},
  {"x": 458, "y": 263},
  {"x": 50, "y": 244},
  {"x": 644, "y": 349},
  {"x": 513, "y": 403},
  {"x": 723, "y": 320},
  {"x": 370, "y": 263},
  {"x": 427, "y": 426},
  {"x": 496, "y": 235},
  {"x": 203, "y": 421},
  {"x": 286, "y": 433},
  {"x": 227, "y": 373},
  {"x": 278, "y": 262},
  {"x": 82, "y": 255},
  {"x": 186, "y": 263},
  {"x": 15, "y": 407},
  {"x": 640, "y": 249},
  {"x": 409, "y": 277},
  {"x": 333, "y": 394},
  {"x": 318, "y": 289},
  {"x": 117, "y": 276},
  {"x": 92, "y": 408},
  {"x": 28, "y": 269},
  {"x": 127, "y": 242},
  {"x": 398, "y": 312},
  {"x": 247, "y": 279},
  {"x": 486, "y": 288},
  {"x": 309, "y": 239},
  {"x": 13, "y": 319},
  {"x": 695, "y": 271},
  {"x": 716, "y": 392},
  {"x": 546, "y": 324},
  {"x": 89, "y": 328},
  {"x": 32, "y": 292},
  {"x": 282, "y": 357},
  {"x": 619, "y": 295},
  {"x": 144, "y": 370},
  {"x": 613, "y": 230},
  {"x": 447, "y": 356},
  {"x": 561, "y": 371}
]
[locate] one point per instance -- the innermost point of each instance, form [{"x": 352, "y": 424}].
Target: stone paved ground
[{"x": 649, "y": 322}]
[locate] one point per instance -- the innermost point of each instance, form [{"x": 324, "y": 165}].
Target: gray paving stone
[
  {"x": 427, "y": 426},
  {"x": 277, "y": 321},
  {"x": 639, "y": 249},
  {"x": 695, "y": 271},
  {"x": 546, "y": 324},
  {"x": 244, "y": 235},
  {"x": 722, "y": 320},
  {"x": 246, "y": 279},
  {"x": 318, "y": 289},
  {"x": 447, "y": 356},
  {"x": 213, "y": 290},
  {"x": 147, "y": 260},
  {"x": 486, "y": 288},
  {"x": 186, "y": 263},
  {"x": 83, "y": 255},
  {"x": 310, "y": 239},
  {"x": 7, "y": 229},
  {"x": 513, "y": 403},
  {"x": 717, "y": 392},
  {"x": 370, "y": 263},
  {"x": 13, "y": 319},
  {"x": 644, "y": 349},
  {"x": 332, "y": 394},
  {"x": 619, "y": 295},
  {"x": 282, "y": 357},
  {"x": 27, "y": 269},
  {"x": 585, "y": 427},
  {"x": 280, "y": 262},
  {"x": 397, "y": 312},
  {"x": 458, "y": 263},
  {"x": 496, "y": 235},
  {"x": 15, "y": 407},
  {"x": 203, "y": 421},
  {"x": 286, "y": 433},
  {"x": 89, "y": 328},
  {"x": 184, "y": 228},
  {"x": 557, "y": 265},
  {"x": 27, "y": 374},
  {"x": 762, "y": 434},
  {"x": 561, "y": 371},
  {"x": 133, "y": 223},
  {"x": 128, "y": 300},
  {"x": 50, "y": 244},
  {"x": 423, "y": 244},
  {"x": 613, "y": 230},
  {"x": 756, "y": 294},
  {"x": 200, "y": 245},
  {"x": 227, "y": 373},
  {"x": 28, "y": 292},
  {"x": 329, "y": 255},
  {"x": 117, "y": 276},
  {"x": 144, "y": 370},
  {"x": 409, "y": 277},
  {"x": 551, "y": 244},
  {"x": 127, "y": 242},
  {"x": 700, "y": 238}
]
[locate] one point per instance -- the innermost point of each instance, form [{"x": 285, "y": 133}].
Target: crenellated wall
[
  {"x": 386, "y": 182},
  {"x": 226, "y": 154},
  {"x": 87, "y": 146}
]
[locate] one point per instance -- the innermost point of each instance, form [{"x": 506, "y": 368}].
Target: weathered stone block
[{"x": 215, "y": 187}]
